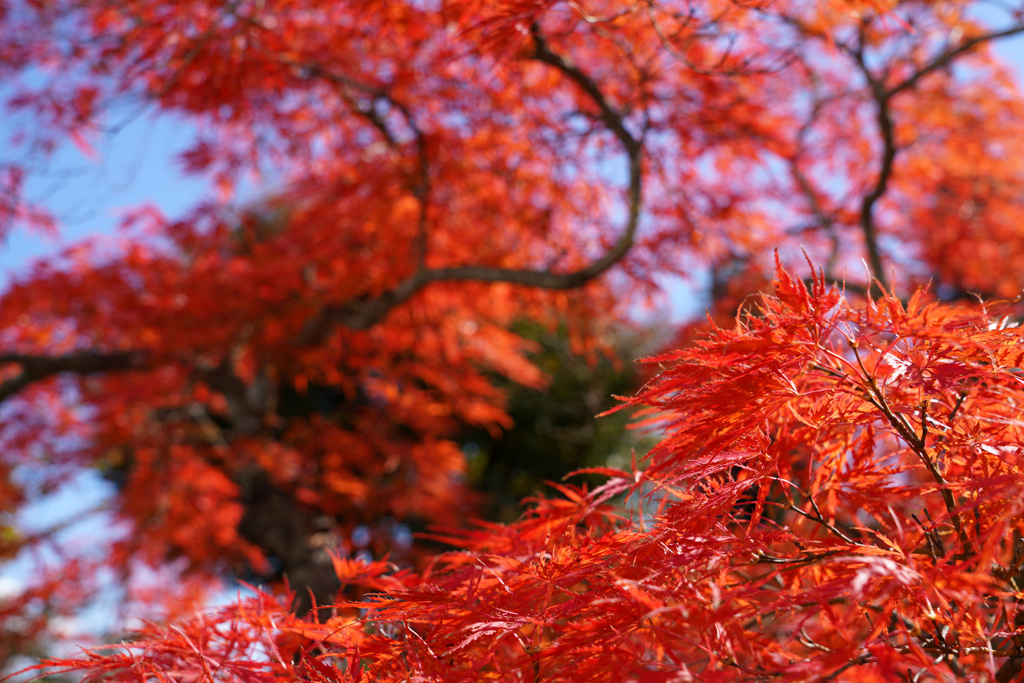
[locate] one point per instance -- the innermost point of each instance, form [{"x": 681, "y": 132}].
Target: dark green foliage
[{"x": 557, "y": 430}]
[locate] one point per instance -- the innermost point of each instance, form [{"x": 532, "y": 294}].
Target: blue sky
[{"x": 134, "y": 167}]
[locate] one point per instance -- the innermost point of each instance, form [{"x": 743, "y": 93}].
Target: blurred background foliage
[{"x": 558, "y": 429}]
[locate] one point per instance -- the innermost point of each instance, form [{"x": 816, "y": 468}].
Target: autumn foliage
[
  {"x": 835, "y": 493},
  {"x": 839, "y": 487}
]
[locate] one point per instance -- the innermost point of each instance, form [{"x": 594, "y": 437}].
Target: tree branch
[
  {"x": 825, "y": 219},
  {"x": 609, "y": 115},
  {"x": 951, "y": 53},
  {"x": 35, "y": 368},
  {"x": 883, "y": 97},
  {"x": 364, "y": 314},
  {"x": 917, "y": 444},
  {"x": 889, "y": 149}
]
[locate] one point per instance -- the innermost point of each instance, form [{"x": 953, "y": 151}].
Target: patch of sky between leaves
[{"x": 135, "y": 167}]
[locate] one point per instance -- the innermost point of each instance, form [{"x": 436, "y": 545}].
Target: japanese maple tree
[
  {"x": 878, "y": 446},
  {"x": 835, "y": 492}
]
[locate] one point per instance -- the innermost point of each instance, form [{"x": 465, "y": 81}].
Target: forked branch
[
  {"x": 361, "y": 315},
  {"x": 882, "y": 95}
]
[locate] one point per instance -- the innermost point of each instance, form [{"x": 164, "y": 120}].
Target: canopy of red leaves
[
  {"x": 836, "y": 491},
  {"x": 839, "y": 487}
]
